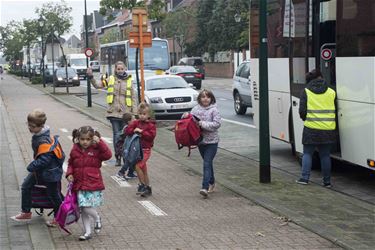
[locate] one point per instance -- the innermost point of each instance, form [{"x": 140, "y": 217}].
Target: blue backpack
[{"x": 132, "y": 150}]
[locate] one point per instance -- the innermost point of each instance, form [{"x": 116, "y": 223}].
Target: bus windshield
[{"x": 156, "y": 57}]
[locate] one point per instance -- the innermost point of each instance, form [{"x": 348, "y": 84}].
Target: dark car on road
[
  {"x": 189, "y": 73},
  {"x": 196, "y": 62},
  {"x": 60, "y": 79}
]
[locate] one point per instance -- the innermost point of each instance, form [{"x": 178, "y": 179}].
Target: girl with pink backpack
[{"x": 85, "y": 161}]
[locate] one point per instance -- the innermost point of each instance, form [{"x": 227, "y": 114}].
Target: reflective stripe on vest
[
  {"x": 321, "y": 113},
  {"x": 54, "y": 147},
  {"x": 128, "y": 93}
]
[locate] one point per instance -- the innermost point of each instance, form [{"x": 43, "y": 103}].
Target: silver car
[
  {"x": 169, "y": 95},
  {"x": 241, "y": 89}
]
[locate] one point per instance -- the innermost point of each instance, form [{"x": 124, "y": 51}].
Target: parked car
[
  {"x": 196, "y": 62},
  {"x": 60, "y": 79},
  {"x": 189, "y": 73},
  {"x": 95, "y": 65},
  {"x": 169, "y": 95},
  {"x": 48, "y": 75},
  {"x": 242, "y": 91}
]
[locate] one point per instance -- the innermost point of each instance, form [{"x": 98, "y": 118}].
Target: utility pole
[
  {"x": 264, "y": 136},
  {"x": 89, "y": 103}
]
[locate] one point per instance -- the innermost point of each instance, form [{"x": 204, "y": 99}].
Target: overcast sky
[{"x": 18, "y": 10}]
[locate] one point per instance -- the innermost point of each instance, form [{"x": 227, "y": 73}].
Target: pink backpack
[
  {"x": 187, "y": 132},
  {"x": 69, "y": 211}
]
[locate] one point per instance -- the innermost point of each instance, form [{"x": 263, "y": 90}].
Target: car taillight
[{"x": 198, "y": 75}]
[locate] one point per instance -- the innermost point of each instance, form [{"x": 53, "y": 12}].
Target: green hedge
[{"x": 36, "y": 80}]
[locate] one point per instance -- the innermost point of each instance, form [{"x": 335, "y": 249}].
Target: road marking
[
  {"x": 64, "y": 130},
  {"x": 223, "y": 99},
  {"x": 107, "y": 140},
  {"x": 239, "y": 123},
  {"x": 70, "y": 137},
  {"x": 152, "y": 208},
  {"x": 121, "y": 182}
]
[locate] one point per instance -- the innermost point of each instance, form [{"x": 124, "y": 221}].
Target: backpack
[
  {"x": 133, "y": 152},
  {"x": 119, "y": 147},
  {"x": 69, "y": 211},
  {"x": 187, "y": 132}
]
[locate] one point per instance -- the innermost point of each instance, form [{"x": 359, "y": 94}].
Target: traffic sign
[
  {"x": 326, "y": 54},
  {"x": 89, "y": 52}
]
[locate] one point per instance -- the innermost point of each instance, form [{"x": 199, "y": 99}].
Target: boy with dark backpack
[{"x": 46, "y": 166}]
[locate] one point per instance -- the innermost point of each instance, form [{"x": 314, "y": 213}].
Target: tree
[
  {"x": 29, "y": 32},
  {"x": 11, "y": 39}
]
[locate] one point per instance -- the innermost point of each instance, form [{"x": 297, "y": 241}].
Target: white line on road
[
  {"x": 65, "y": 167},
  {"x": 70, "y": 137},
  {"x": 239, "y": 123},
  {"x": 121, "y": 182},
  {"x": 152, "y": 208},
  {"x": 107, "y": 140},
  {"x": 64, "y": 130},
  {"x": 223, "y": 99}
]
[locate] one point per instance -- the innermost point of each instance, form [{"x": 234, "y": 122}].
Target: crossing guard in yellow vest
[
  {"x": 318, "y": 111},
  {"x": 120, "y": 99}
]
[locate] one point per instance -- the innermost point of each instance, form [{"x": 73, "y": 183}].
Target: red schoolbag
[{"x": 187, "y": 132}]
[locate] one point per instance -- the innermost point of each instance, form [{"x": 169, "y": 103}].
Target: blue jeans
[
  {"x": 117, "y": 125},
  {"x": 52, "y": 191},
  {"x": 208, "y": 152},
  {"x": 325, "y": 160}
]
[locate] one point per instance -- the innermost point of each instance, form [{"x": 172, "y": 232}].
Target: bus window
[{"x": 355, "y": 28}]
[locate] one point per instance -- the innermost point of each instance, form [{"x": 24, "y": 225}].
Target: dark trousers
[
  {"x": 117, "y": 125},
  {"x": 53, "y": 193},
  {"x": 208, "y": 152}
]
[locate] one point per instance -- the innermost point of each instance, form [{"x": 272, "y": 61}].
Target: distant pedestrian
[
  {"x": 146, "y": 128},
  {"x": 318, "y": 111},
  {"x": 45, "y": 169},
  {"x": 86, "y": 157},
  {"x": 1, "y": 72},
  {"x": 126, "y": 171},
  {"x": 121, "y": 98},
  {"x": 209, "y": 121}
]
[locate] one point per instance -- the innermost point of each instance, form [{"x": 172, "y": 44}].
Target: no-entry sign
[
  {"x": 326, "y": 54},
  {"x": 89, "y": 52}
]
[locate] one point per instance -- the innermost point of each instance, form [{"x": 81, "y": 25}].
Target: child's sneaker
[
  {"x": 84, "y": 237},
  {"x": 98, "y": 225},
  {"x": 121, "y": 176},
  {"x": 302, "y": 181},
  {"x": 141, "y": 189},
  {"x": 22, "y": 216},
  {"x": 131, "y": 176},
  {"x": 211, "y": 188},
  {"x": 52, "y": 223},
  {"x": 204, "y": 192},
  {"x": 327, "y": 185},
  {"x": 147, "y": 191}
]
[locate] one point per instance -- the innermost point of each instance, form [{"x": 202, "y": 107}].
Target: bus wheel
[{"x": 238, "y": 106}]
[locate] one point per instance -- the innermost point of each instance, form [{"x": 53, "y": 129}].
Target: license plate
[
  {"x": 182, "y": 106},
  {"x": 189, "y": 76}
]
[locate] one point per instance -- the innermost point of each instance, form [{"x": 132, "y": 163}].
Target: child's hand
[
  {"x": 200, "y": 123},
  {"x": 96, "y": 139},
  {"x": 184, "y": 115},
  {"x": 70, "y": 178},
  {"x": 138, "y": 130}
]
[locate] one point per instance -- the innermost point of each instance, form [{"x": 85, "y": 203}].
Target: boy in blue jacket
[{"x": 46, "y": 167}]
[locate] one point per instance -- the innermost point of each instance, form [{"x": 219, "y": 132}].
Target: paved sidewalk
[{"x": 225, "y": 221}]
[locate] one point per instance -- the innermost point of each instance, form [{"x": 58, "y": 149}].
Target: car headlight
[
  {"x": 76, "y": 77},
  {"x": 195, "y": 97},
  {"x": 59, "y": 78},
  {"x": 156, "y": 100}
]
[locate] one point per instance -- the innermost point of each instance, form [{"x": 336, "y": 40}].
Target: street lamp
[
  {"x": 41, "y": 26},
  {"x": 237, "y": 19}
]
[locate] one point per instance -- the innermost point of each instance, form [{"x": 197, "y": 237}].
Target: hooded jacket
[
  {"x": 211, "y": 122},
  {"x": 46, "y": 166},
  {"x": 315, "y": 136},
  {"x": 85, "y": 166}
]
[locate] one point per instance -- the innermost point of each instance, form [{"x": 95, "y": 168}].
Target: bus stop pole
[
  {"x": 141, "y": 56},
  {"x": 89, "y": 104},
  {"x": 264, "y": 137}
]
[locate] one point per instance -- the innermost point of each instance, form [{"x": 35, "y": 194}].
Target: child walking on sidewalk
[
  {"x": 86, "y": 157},
  {"x": 209, "y": 121},
  {"x": 46, "y": 168},
  {"x": 146, "y": 128}
]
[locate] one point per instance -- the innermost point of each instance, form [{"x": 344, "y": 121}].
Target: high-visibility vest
[
  {"x": 128, "y": 93},
  {"x": 54, "y": 147},
  {"x": 321, "y": 111}
]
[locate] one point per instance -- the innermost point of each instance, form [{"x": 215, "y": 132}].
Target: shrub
[{"x": 36, "y": 80}]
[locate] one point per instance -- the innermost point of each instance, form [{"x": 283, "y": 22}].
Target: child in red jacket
[
  {"x": 146, "y": 128},
  {"x": 85, "y": 161}
]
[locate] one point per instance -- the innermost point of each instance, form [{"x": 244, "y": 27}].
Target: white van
[
  {"x": 242, "y": 90},
  {"x": 78, "y": 62}
]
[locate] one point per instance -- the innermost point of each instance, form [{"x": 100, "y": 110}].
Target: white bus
[
  {"x": 299, "y": 32},
  {"x": 155, "y": 57}
]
